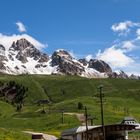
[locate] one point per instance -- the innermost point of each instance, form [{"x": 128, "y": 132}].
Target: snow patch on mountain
[
  {"x": 22, "y": 57},
  {"x": 7, "y": 40}
]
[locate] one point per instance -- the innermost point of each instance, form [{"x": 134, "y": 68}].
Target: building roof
[
  {"x": 113, "y": 127},
  {"x": 76, "y": 130},
  {"x": 129, "y": 119}
]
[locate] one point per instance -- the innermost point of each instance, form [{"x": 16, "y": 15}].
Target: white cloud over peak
[
  {"x": 133, "y": 69},
  {"x": 123, "y": 28},
  {"x": 122, "y": 54},
  {"x": 128, "y": 45},
  {"x": 138, "y": 32},
  {"x": 88, "y": 57},
  {"x": 115, "y": 57},
  {"x": 7, "y": 40},
  {"x": 21, "y": 27},
  {"x": 72, "y": 54}
]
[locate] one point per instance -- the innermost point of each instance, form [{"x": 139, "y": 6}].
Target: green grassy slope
[
  {"x": 122, "y": 99},
  {"x": 12, "y": 135}
]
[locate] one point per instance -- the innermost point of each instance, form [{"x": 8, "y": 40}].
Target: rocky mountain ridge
[{"x": 23, "y": 58}]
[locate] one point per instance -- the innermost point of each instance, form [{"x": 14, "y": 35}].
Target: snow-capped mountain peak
[{"x": 23, "y": 57}]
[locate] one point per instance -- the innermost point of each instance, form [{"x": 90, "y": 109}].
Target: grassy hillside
[
  {"x": 12, "y": 135},
  {"x": 122, "y": 98}
]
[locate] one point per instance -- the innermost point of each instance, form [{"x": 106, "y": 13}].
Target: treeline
[{"x": 13, "y": 93}]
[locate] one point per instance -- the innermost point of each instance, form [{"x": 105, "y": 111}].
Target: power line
[
  {"x": 102, "y": 111},
  {"x": 86, "y": 119}
]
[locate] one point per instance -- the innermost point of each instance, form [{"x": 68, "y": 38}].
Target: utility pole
[
  {"x": 62, "y": 116},
  {"x": 91, "y": 119},
  {"x": 49, "y": 108},
  {"x": 102, "y": 111},
  {"x": 86, "y": 118}
]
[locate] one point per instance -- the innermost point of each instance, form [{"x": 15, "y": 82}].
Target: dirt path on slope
[
  {"x": 79, "y": 116},
  {"x": 45, "y": 136}
]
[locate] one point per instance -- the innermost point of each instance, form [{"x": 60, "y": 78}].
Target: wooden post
[
  {"x": 62, "y": 118},
  {"x": 86, "y": 117},
  {"x": 102, "y": 112}
]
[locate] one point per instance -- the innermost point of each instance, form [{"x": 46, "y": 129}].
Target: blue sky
[{"x": 103, "y": 29}]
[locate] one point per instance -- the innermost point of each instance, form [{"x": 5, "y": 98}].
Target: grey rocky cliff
[
  {"x": 2, "y": 48},
  {"x": 132, "y": 76},
  {"x": 66, "y": 63},
  {"x": 83, "y": 61},
  {"x": 3, "y": 58},
  {"x": 59, "y": 55},
  {"x": 122, "y": 75},
  {"x": 23, "y": 57},
  {"x": 25, "y": 49},
  {"x": 100, "y": 66},
  {"x": 113, "y": 75}
]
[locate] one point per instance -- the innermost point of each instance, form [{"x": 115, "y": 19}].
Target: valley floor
[{"x": 122, "y": 98}]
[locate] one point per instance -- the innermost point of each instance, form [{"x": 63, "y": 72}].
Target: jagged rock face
[
  {"x": 113, "y": 75},
  {"x": 65, "y": 63},
  {"x": 2, "y": 53},
  {"x": 21, "y": 44},
  {"x": 2, "y": 48},
  {"x": 100, "y": 66},
  {"x": 83, "y": 61},
  {"x": 43, "y": 58},
  {"x": 22, "y": 58},
  {"x": 63, "y": 54},
  {"x": 40, "y": 65},
  {"x": 71, "y": 68},
  {"x": 123, "y": 75},
  {"x": 58, "y": 56},
  {"x": 2, "y": 66},
  {"x": 10, "y": 57},
  {"x": 134, "y": 77},
  {"x": 25, "y": 49},
  {"x": 2, "y": 57}
]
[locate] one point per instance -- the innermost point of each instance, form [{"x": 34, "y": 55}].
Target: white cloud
[
  {"x": 122, "y": 55},
  {"x": 73, "y": 54},
  {"x": 7, "y": 40},
  {"x": 123, "y": 28},
  {"x": 88, "y": 57},
  {"x": 115, "y": 57},
  {"x": 128, "y": 45},
  {"x": 133, "y": 69},
  {"x": 21, "y": 27},
  {"x": 138, "y": 32}
]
